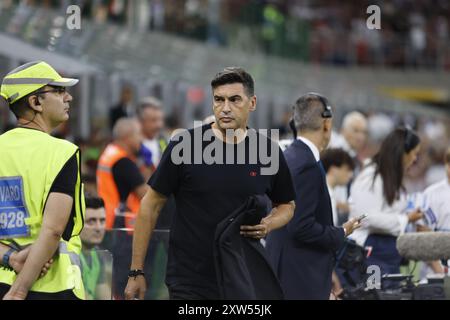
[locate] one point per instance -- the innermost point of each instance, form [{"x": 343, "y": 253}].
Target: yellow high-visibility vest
[{"x": 30, "y": 162}]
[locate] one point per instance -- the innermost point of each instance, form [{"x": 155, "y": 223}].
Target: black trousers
[
  {"x": 62, "y": 295},
  {"x": 187, "y": 292}
]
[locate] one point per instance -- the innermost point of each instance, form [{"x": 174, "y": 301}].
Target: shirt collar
[{"x": 311, "y": 146}]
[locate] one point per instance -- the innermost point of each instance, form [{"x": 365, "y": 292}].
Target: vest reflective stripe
[
  {"x": 12, "y": 81},
  {"x": 104, "y": 168},
  {"x": 38, "y": 158},
  {"x": 74, "y": 258},
  {"x": 107, "y": 188}
]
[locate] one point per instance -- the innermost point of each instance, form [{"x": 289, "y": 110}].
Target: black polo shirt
[{"x": 205, "y": 194}]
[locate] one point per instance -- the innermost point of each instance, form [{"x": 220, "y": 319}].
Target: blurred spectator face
[
  {"x": 152, "y": 120},
  {"x": 342, "y": 174},
  {"x": 410, "y": 157},
  {"x": 356, "y": 134},
  {"x": 231, "y": 106},
  {"x": 380, "y": 125},
  {"x": 134, "y": 139},
  {"x": 94, "y": 227}
]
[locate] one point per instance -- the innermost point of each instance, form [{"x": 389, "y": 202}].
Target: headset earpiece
[{"x": 327, "y": 112}]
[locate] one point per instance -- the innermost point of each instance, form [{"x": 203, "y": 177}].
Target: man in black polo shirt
[{"x": 206, "y": 192}]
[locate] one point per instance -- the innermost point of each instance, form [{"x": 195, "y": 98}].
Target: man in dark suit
[
  {"x": 124, "y": 108},
  {"x": 303, "y": 252}
]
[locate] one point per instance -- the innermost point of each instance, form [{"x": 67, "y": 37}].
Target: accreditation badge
[{"x": 13, "y": 210}]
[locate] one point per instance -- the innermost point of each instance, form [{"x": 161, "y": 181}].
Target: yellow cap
[{"x": 30, "y": 77}]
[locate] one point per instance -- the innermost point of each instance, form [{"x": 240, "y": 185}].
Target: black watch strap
[
  {"x": 5, "y": 259},
  {"x": 135, "y": 272}
]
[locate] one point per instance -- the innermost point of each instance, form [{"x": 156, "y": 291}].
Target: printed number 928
[{"x": 11, "y": 220}]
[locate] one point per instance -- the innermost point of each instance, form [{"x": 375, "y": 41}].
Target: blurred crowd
[
  {"x": 364, "y": 134},
  {"x": 412, "y": 34},
  {"x": 144, "y": 128}
]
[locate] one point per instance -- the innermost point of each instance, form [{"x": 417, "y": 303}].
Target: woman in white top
[{"x": 378, "y": 192}]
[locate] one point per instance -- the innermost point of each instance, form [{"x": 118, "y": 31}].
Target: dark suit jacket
[
  {"x": 303, "y": 252},
  {"x": 242, "y": 269},
  {"x": 115, "y": 113}
]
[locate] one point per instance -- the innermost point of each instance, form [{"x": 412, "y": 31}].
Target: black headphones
[
  {"x": 326, "y": 113},
  {"x": 293, "y": 128}
]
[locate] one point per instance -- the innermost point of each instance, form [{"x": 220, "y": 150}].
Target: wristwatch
[
  {"x": 135, "y": 272},
  {"x": 6, "y": 256}
]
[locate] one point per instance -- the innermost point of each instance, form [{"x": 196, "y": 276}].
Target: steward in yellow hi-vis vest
[{"x": 41, "y": 196}]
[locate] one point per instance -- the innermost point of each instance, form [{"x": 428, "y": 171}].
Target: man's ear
[
  {"x": 34, "y": 103},
  {"x": 252, "y": 103},
  {"x": 327, "y": 125}
]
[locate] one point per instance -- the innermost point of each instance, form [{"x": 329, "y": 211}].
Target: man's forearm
[
  {"x": 142, "y": 234},
  {"x": 145, "y": 223},
  {"x": 41, "y": 251},
  {"x": 280, "y": 215}
]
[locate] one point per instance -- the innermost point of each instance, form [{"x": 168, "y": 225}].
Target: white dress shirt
[
  {"x": 333, "y": 206},
  {"x": 311, "y": 146},
  {"x": 367, "y": 198}
]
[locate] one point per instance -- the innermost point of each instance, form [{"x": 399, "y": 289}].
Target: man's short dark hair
[
  {"x": 149, "y": 102},
  {"x": 94, "y": 202},
  {"x": 234, "y": 75},
  {"x": 336, "y": 157},
  {"x": 21, "y": 106},
  {"x": 308, "y": 110}
]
